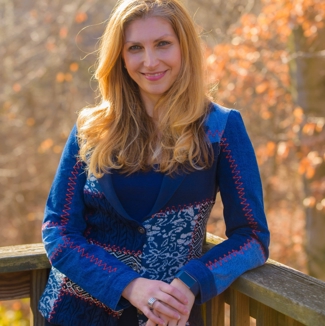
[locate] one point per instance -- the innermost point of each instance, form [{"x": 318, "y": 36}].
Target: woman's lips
[{"x": 154, "y": 76}]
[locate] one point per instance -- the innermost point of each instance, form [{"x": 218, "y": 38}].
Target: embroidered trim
[
  {"x": 56, "y": 304},
  {"x": 233, "y": 253},
  {"x": 115, "y": 248},
  {"x": 65, "y": 219},
  {"x": 49, "y": 224},
  {"x": 68, "y": 199},
  {"x": 72, "y": 289},
  {"x": 173, "y": 209},
  {"x": 93, "y": 194},
  {"x": 240, "y": 189},
  {"x": 214, "y": 133},
  {"x": 249, "y": 216}
]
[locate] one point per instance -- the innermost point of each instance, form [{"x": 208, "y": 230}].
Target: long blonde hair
[{"x": 118, "y": 133}]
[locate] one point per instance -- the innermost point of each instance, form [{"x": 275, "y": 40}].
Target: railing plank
[
  {"x": 239, "y": 309},
  {"x": 23, "y": 258},
  {"x": 299, "y": 298}
]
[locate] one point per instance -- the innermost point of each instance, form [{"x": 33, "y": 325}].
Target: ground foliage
[{"x": 14, "y": 313}]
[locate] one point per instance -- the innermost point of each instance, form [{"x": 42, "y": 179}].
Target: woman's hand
[
  {"x": 178, "y": 284},
  {"x": 172, "y": 304}
]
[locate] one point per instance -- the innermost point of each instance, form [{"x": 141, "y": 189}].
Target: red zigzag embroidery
[
  {"x": 65, "y": 219},
  {"x": 248, "y": 211}
]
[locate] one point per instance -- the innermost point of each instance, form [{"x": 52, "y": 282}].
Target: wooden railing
[{"x": 272, "y": 294}]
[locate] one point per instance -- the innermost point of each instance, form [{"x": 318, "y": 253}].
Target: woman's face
[{"x": 152, "y": 57}]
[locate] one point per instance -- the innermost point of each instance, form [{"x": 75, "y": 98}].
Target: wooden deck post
[
  {"x": 239, "y": 309},
  {"x": 215, "y": 311},
  {"x": 38, "y": 279},
  {"x": 266, "y": 316}
]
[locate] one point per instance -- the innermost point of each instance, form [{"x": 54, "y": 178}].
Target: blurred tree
[
  {"x": 309, "y": 72},
  {"x": 216, "y": 17}
]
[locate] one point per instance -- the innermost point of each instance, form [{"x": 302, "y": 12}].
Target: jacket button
[{"x": 141, "y": 230}]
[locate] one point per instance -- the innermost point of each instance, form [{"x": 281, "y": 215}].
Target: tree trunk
[{"x": 308, "y": 69}]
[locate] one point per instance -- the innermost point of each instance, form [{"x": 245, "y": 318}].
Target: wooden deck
[{"x": 272, "y": 294}]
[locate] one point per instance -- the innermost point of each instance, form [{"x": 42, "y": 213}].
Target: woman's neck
[{"x": 149, "y": 103}]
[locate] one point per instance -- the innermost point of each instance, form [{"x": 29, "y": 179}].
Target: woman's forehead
[{"x": 149, "y": 28}]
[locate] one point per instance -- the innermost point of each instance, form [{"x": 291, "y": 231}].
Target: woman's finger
[
  {"x": 152, "y": 317},
  {"x": 182, "y": 321},
  {"x": 170, "y": 322},
  {"x": 170, "y": 305},
  {"x": 173, "y": 322},
  {"x": 161, "y": 308},
  {"x": 174, "y": 292},
  {"x": 150, "y": 323}
]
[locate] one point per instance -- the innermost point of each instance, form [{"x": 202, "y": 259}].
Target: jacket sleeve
[
  {"x": 88, "y": 265},
  {"x": 240, "y": 187}
]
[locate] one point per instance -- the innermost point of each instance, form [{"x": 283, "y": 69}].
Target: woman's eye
[
  {"x": 134, "y": 47},
  {"x": 162, "y": 43}
]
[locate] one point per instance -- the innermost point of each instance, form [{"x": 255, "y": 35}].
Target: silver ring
[{"x": 151, "y": 302}]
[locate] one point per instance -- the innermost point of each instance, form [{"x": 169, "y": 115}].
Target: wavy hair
[{"x": 118, "y": 133}]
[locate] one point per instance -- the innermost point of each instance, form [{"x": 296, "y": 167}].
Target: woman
[{"x": 125, "y": 219}]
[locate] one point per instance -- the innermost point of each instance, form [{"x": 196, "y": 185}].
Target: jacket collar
[{"x": 168, "y": 187}]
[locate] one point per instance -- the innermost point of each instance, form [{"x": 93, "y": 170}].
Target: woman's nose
[{"x": 150, "y": 60}]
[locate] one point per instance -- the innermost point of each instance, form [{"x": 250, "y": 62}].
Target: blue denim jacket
[{"x": 96, "y": 249}]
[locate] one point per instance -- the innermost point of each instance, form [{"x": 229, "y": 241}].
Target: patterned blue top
[{"x": 96, "y": 248}]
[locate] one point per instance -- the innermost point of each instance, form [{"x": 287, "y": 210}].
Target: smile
[{"x": 154, "y": 76}]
